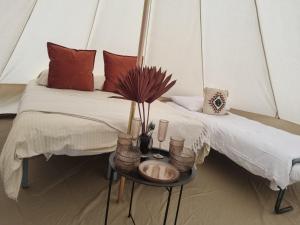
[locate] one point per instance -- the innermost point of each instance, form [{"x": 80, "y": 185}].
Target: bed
[
  {"x": 68, "y": 122},
  {"x": 262, "y": 150}
]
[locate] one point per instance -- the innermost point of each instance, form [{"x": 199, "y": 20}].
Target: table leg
[
  {"x": 129, "y": 213},
  {"x": 178, "y": 204},
  {"x": 115, "y": 174},
  {"x": 121, "y": 188},
  {"x": 168, "y": 204},
  {"x": 108, "y": 197},
  {"x": 132, "y": 190}
]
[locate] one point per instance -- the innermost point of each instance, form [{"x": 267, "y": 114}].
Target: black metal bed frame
[
  {"x": 278, "y": 209},
  {"x": 25, "y": 181}
]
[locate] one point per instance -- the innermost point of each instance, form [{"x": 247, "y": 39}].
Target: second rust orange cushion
[
  {"x": 115, "y": 67},
  {"x": 70, "y": 68}
]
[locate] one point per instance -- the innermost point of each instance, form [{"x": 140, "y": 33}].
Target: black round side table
[{"x": 136, "y": 178}]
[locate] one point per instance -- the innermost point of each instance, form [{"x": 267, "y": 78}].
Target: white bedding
[
  {"x": 261, "y": 149},
  {"x": 53, "y": 121}
]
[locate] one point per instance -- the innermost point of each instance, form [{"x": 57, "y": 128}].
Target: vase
[{"x": 145, "y": 143}]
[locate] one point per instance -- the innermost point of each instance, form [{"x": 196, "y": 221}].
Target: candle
[
  {"x": 162, "y": 130},
  {"x": 135, "y": 128}
]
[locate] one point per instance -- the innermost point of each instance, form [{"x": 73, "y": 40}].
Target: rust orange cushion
[
  {"x": 115, "y": 67},
  {"x": 70, "y": 68}
]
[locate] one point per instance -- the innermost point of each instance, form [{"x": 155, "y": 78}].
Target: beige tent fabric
[
  {"x": 13, "y": 18},
  {"x": 10, "y": 95},
  {"x": 270, "y": 121},
  {"x": 72, "y": 190}
]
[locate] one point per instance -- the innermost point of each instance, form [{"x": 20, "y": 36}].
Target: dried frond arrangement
[{"x": 145, "y": 85}]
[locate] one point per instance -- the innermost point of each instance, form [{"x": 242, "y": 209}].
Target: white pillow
[
  {"x": 42, "y": 80},
  {"x": 98, "y": 82},
  {"x": 191, "y": 103}
]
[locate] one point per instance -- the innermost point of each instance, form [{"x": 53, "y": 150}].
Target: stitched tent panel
[{"x": 244, "y": 46}]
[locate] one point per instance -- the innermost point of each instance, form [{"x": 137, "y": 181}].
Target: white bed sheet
[
  {"x": 38, "y": 133},
  {"x": 53, "y": 121},
  {"x": 261, "y": 149}
]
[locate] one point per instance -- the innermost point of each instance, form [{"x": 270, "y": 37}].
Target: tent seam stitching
[
  {"x": 16, "y": 44},
  {"x": 266, "y": 59},
  {"x": 93, "y": 24}
]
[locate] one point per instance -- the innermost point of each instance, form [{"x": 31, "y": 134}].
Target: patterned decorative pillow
[{"x": 215, "y": 101}]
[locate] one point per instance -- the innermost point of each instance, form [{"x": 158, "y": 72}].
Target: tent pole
[
  {"x": 141, "y": 49},
  {"x": 266, "y": 59}
]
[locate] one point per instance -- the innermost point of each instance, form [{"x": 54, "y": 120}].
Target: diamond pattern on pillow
[{"x": 215, "y": 101}]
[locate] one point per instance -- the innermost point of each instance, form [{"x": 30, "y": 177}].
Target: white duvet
[
  {"x": 261, "y": 149},
  {"x": 53, "y": 121}
]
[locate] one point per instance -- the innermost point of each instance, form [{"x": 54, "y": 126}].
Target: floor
[{"x": 73, "y": 190}]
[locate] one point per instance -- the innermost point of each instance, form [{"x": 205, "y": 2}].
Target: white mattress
[
  {"x": 54, "y": 121},
  {"x": 60, "y": 134},
  {"x": 261, "y": 149}
]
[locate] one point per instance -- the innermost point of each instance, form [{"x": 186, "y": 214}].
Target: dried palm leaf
[{"x": 144, "y": 84}]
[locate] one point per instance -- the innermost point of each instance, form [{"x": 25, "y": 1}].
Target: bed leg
[
  {"x": 114, "y": 173},
  {"x": 25, "y": 183},
  {"x": 278, "y": 209}
]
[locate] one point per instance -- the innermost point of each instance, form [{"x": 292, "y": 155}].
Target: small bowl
[
  {"x": 182, "y": 167},
  {"x": 177, "y": 141},
  {"x": 127, "y": 160},
  {"x": 176, "y": 149},
  {"x": 125, "y": 165},
  {"x": 128, "y": 154},
  {"x": 176, "y": 144},
  {"x": 184, "y": 160}
]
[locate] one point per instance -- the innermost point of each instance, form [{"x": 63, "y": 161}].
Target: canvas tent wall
[{"x": 250, "y": 47}]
